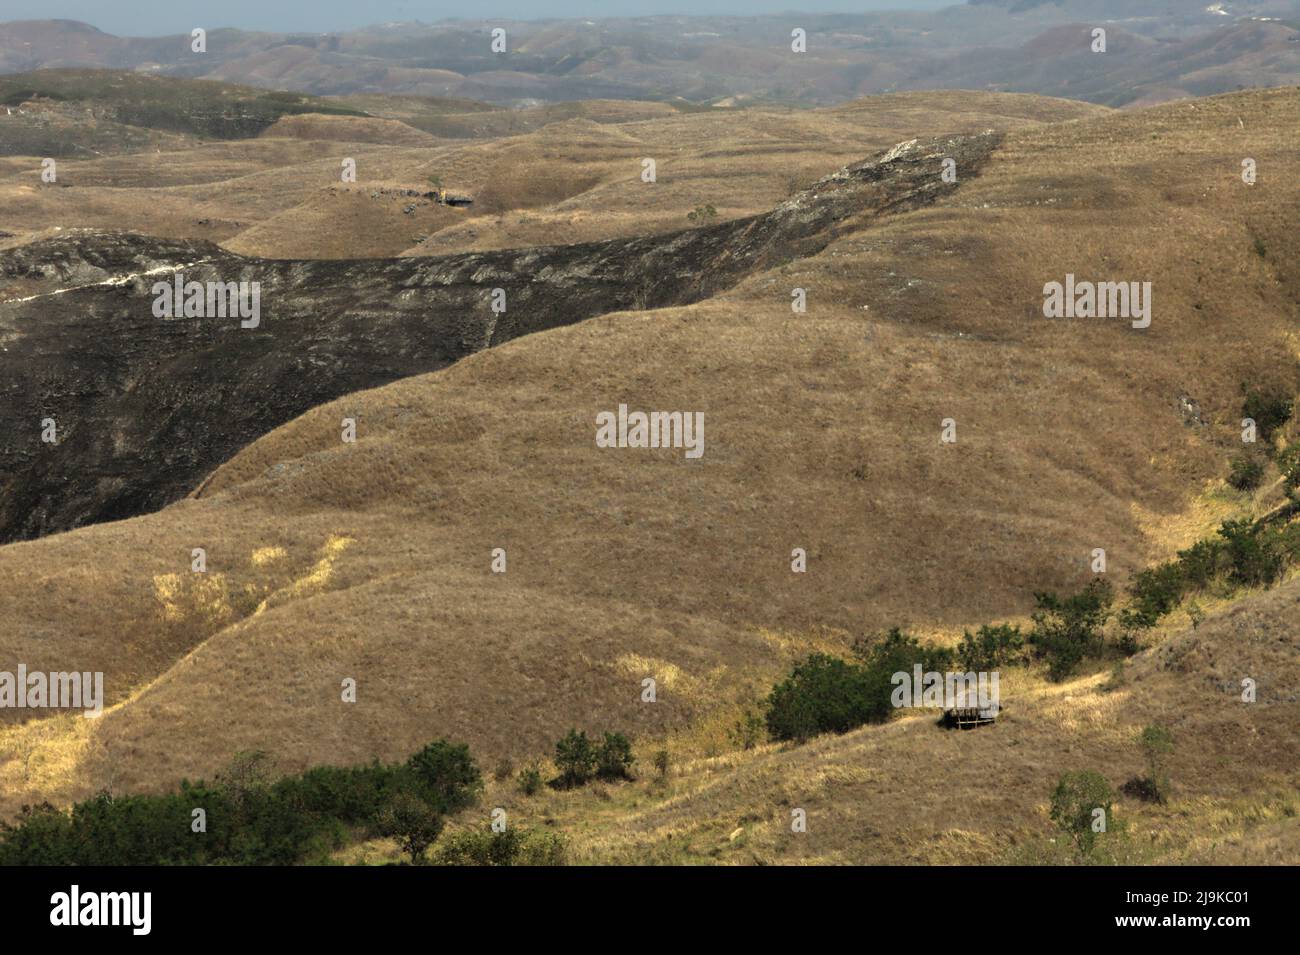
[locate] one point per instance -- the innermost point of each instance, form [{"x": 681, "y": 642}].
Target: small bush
[
  {"x": 703, "y": 214},
  {"x": 1074, "y": 805},
  {"x": 510, "y": 847},
  {"x": 1128, "y": 642},
  {"x": 662, "y": 761},
  {"x": 1253, "y": 555},
  {"x": 1157, "y": 742},
  {"x": 445, "y": 775},
  {"x": 1201, "y": 563},
  {"x": 575, "y": 756},
  {"x": 990, "y": 648},
  {"x": 1116, "y": 679},
  {"x": 749, "y": 730},
  {"x": 530, "y": 781},
  {"x": 1246, "y": 471},
  {"x": 412, "y": 822},
  {"x": 1288, "y": 463},
  {"x": 1141, "y": 787},
  {"x": 823, "y": 694},
  {"x": 1269, "y": 410},
  {"x": 1154, "y": 592},
  {"x": 1066, "y": 630},
  {"x": 614, "y": 759}
]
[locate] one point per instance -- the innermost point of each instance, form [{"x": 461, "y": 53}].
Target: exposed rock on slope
[{"x": 145, "y": 407}]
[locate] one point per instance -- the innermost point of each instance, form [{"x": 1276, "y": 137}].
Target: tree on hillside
[
  {"x": 1081, "y": 807},
  {"x": 412, "y": 822},
  {"x": 575, "y": 756},
  {"x": 614, "y": 760},
  {"x": 1157, "y": 743},
  {"x": 1068, "y": 629},
  {"x": 445, "y": 775}
]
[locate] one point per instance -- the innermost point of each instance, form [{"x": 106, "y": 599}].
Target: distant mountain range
[{"x": 1156, "y": 51}]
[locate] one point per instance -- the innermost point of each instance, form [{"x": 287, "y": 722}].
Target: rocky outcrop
[{"x": 144, "y": 407}]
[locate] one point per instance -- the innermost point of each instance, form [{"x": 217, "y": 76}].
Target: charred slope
[{"x": 144, "y": 407}]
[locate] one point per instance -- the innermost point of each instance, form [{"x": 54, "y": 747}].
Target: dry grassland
[{"x": 372, "y": 560}]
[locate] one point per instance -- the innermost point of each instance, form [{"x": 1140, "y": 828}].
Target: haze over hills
[
  {"x": 570, "y": 169},
  {"x": 1158, "y": 51},
  {"x": 382, "y": 460}
]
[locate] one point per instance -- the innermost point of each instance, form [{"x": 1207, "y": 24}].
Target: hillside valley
[{"x": 373, "y": 559}]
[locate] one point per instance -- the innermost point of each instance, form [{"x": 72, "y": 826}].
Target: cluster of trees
[
  {"x": 826, "y": 694},
  {"x": 246, "y": 818},
  {"x": 1243, "y": 553},
  {"x": 220, "y": 117},
  {"x": 580, "y": 759},
  {"x": 1068, "y": 629}
]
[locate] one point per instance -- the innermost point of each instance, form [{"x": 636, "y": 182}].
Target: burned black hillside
[{"x": 144, "y": 407}]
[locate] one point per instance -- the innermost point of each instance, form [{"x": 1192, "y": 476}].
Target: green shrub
[
  {"x": 445, "y": 775},
  {"x": 1246, "y": 471},
  {"x": 1154, "y": 592},
  {"x": 704, "y": 213},
  {"x": 530, "y": 781},
  {"x": 412, "y": 822},
  {"x": 510, "y": 847},
  {"x": 249, "y": 820},
  {"x": 749, "y": 730},
  {"x": 614, "y": 758},
  {"x": 575, "y": 756},
  {"x": 662, "y": 762},
  {"x": 1288, "y": 462},
  {"x": 1269, "y": 410},
  {"x": 352, "y": 794},
  {"x": 1254, "y": 556},
  {"x": 1287, "y": 541},
  {"x": 1077, "y": 797},
  {"x": 1066, "y": 630},
  {"x": 990, "y": 648},
  {"x": 823, "y": 694},
  {"x": 1157, "y": 742},
  {"x": 898, "y": 652},
  {"x": 1201, "y": 563}
]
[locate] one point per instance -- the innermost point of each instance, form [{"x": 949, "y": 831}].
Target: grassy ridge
[{"x": 200, "y": 107}]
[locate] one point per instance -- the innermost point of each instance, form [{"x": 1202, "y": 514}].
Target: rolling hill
[{"x": 372, "y": 560}]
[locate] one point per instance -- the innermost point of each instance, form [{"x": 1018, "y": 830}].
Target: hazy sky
[{"x": 158, "y": 17}]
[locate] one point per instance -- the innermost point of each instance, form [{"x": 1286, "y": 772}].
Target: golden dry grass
[
  {"x": 538, "y": 176},
  {"x": 822, "y": 432}
]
